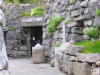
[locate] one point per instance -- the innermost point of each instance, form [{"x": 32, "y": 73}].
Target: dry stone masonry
[{"x": 80, "y": 14}]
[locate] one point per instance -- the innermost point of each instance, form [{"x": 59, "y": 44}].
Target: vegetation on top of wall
[
  {"x": 53, "y": 24},
  {"x": 72, "y": 1},
  {"x": 22, "y": 1},
  {"x": 89, "y": 46},
  {"x": 98, "y": 12},
  {"x": 25, "y": 13},
  {"x": 57, "y": 44},
  {"x": 38, "y": 11},
  {"x": 92, "y": 32},
  {"x": 11, "y": 28}
]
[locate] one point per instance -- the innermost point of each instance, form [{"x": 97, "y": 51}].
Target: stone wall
[
  {"x": 69, "y": 60},
  {"x": 80, "y": 14},
  {"x": 14, "y": 38}
]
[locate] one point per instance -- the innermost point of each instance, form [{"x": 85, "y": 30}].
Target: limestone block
[
  {"x": 90, "y": 58},
  {"x": 75, "y": 37},
  {"x": 69, "y": 67},
  {"x": 97, "y": 21},
  {"x": 77, "y": 5},
  {"x": 4, "y": 72},
  {"x": 77, "y": 30},
  {"x": 81, "y": 69},
  {"x": 73, "y": 24},
  {"x": 86, "y": 37},
  {"x": 84, "y": 17},
  {"x": 88, "y": 23},
  {"x": 84, "y": 3},
  {"x": 96, "y": 71},
  {"x": 75, "y": 13}
]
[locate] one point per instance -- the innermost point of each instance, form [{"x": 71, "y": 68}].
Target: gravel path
[{"x": 25, "y": 67}]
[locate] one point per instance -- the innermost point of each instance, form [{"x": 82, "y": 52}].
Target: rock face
[{"x": 3, "y": 55}]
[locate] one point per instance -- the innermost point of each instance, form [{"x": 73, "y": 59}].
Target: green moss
[
  {"x": 58, "y": 44},
  {"x": 53, "y": 23},
  {"x": 92, "y": 32},
  {"x": 89, "y": 46},
  {"x": 72, "y": 1},
  {"x": 25, "y": 13},
  {"x": 38, "y": 11},
  {"x": 66, "y": 21},
  {"x": 98, "y": 12},
  {"x": 11, "y": 28}
]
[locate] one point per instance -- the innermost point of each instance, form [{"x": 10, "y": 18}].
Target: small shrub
[
  {"x": 92, "y": 32},
  {"x": 25, "y": 13},
  {"x": 98, "y": 12},
  {"x": 72, "y": 1},
  {"x": 53, "y": 23},
  {"x": 22, "y": 1},
  {"x": 39, "y": 11},
  {"x": 11, "y": 28},
  {"x": 58, "y": 44}
]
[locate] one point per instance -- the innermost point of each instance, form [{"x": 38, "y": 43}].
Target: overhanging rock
[{"x": 32, "y": 21}]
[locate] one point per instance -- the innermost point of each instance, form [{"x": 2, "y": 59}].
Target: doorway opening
[{"x": 36, "y": 35}]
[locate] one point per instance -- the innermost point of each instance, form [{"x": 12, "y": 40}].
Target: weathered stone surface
[
  {"x": 90, "y": 58},
  {"x": 77, "y": 30},
  {"x": 84, "y": 3},
  {"x": 84, "y": 17},
  {"x": 86, "y": 37},
  {"x": 81, "y": 69},
  {"x": 69, "y": 67},
  {"x": 52, "y": 63},
  {"x": 75, "y": 13},
  {"x": 4, "y": 72},
  {"x": 97, "y": 21},
  {"x": 68, "y": 48},
  {"x": 96, "y": 71},
  {"x": 73, "y": 24},
  {"x": 88, "y": 23},
  {"x": 98, "y": 63},
  {"x": 75, "y": 37},
  {"x": 3, "y": 56}
]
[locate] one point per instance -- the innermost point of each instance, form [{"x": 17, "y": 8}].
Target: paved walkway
[{"x": 25, "y": 67}]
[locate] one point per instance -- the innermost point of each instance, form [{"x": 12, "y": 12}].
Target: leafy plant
[
  {"x": 53, "y": 23},
  {"x": 58, "y": 44},
  {"x": 11, "y": 28},
  {"x": 89, "y": 46},
  {"x": 39, "y": 11},
  {"x": 92, "y": 32},
  {"x": 98, "y": 12},
  {"x": 72, "y": 1},
  {"x": 22, "y": 1},
  {"x": 25, "y": 13}
]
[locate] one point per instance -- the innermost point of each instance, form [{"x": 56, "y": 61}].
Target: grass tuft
[{"x": 89, "y": 46}]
